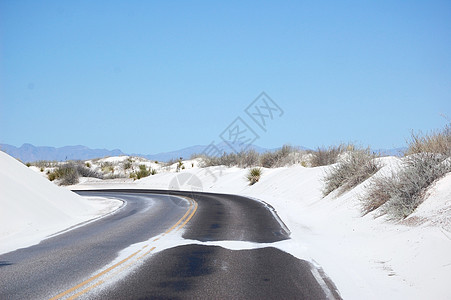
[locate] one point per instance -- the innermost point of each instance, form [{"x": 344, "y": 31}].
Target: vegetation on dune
[
  {"x": 254, "y": 174},
  {"x": 428, "y": 159}
]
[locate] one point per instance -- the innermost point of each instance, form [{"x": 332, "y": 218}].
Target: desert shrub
[
  {"x": 254, "y": 174},
  {"x": 88, "y": 164},
  {"x": 67, "y": 174},
  {"x": 435, "y": 142},
  {"x": 107, "y": 167},
  {"x": 143, "y": 172},
  {"x": 44, "y": 164},
  {"x": 180, "y": 165},
  {"x": 355, "y": 167},
  {"x": 327, "y": 156},
  {"x": 51, "y": 176},
  {"x": 84, "y": 171},
  {"x": 127, "y": 164},
  {"x": 28, "y": 164},
  {"x": 41, "y": 169},
  {"x": 400, "y": 193},
  {"x": 276, "y": 158}
]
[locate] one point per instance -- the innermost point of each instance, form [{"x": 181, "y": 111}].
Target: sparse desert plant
[
  {"x": 254, "y": 174},
  {"x": 327, "y": 156},
  {"x": 249, "y": 158},
  {"x": 85, "y": 171},
  {"x": 180, "y": 165},
  {"x": 276, "y": 158},
  {"x": 67, "y": 174},
  {"x": 400, "y": 193},
  {"x": 127, "y": 164},
  {"x": 142, "y": 172},
  {"x": 44, "y": 164},
  {"x": 435, "y": 142},
  {"x": 355, "y": 167},
  {"x": 107, "y": 167},
  {"x": 41, "y": 169},
  {"x": 51, "y": 176},
  {"x": 88, "y": 164},
  {"x": 28, "y": 164}
]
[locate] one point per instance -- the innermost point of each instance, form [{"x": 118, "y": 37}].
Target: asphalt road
[{"x": 83, "y": 262}]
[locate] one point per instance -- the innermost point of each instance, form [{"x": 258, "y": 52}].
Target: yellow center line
[
  {"x": 86, "y": 290},
  {"x": 73, "y": 289},
  {"x": 189, "y": 218},
  {"x": 94, "y": 277},
  {"x": 184, "y": 216}
]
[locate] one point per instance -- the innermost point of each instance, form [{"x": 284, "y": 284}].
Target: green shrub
[
  {"x": 88, "y": 164},
  {"x": 51, "y": 176},
  {"x": 142, "y": 172},
  {"x": 28, "y": 164},
  {"x": 180, "y": 165},
  {"x": 254, "y": 174}
]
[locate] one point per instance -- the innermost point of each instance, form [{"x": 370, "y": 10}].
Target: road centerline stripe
[{"x": 186, "y": 217}]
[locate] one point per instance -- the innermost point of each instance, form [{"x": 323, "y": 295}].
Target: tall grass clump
[
  {"x": 353, "y": 168},
  {"x": 44, "y": 164},
  {"x": 435, "y": 142},
  {"x": 254, "y": 174},
  {"x": 242, "y": 159},
  {"x": 278, "y": 158},
  {"x": 400, "y": 193},
  {"x": 328, "y": 156}
]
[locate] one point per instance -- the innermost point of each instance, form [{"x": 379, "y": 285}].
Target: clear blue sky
[{"x": 148, "y": 76}]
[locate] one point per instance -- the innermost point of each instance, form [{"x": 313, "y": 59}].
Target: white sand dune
[{"x": 32, "y": 207}]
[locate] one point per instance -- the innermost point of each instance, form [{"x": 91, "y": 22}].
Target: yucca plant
[{"x": 254, "y": 174}]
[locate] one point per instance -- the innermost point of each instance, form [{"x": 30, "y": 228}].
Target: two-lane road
[{"x": 79, "y": 263}]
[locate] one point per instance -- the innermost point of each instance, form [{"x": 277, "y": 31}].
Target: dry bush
[
  {"x": 327, "y": 156},
  {"x": 278, "y": 158},
  {"x": 435, "y": 142},
  {"x": 399, "y": 194},
  {"x": 407, "y": 188},
  {"x": 377, "y": 194},
  {"x": 69, "y": 173},
  {"x": 355, "y": 167}
]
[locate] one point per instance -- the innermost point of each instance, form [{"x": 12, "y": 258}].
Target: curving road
[{"x": 160, "y": 261}]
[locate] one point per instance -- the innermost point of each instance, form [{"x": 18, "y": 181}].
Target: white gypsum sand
[{"x": 33, "y": 208}]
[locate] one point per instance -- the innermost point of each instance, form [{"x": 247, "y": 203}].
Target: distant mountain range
[{"x": 29, "y": 153}]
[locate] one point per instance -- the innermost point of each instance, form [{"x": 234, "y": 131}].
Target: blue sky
[{"x": 148, "y": 76}]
